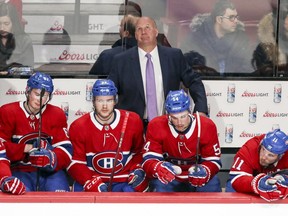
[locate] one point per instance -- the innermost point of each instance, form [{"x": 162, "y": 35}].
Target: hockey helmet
[
  {"x": 104, "y": 87},
  {"x": 276, "y": 142},
  {"x": 177, "y": 101},
  {"x": 39, "y": 81}
]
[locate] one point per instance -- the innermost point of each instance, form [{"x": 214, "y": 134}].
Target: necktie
[{"x": 150, "y": 89}]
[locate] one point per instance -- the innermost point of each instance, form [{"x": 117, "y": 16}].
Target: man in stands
[{"x": 220, "y": 37}]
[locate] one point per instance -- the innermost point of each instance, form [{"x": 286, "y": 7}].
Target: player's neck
[
  {"x": 30, "y": 109},
  {"x": 104, "y": 120}
]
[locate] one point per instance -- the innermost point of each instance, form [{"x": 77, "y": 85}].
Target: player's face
[
  {"x": 104, "y": 106},
  {"x": 266, "y": 157},
  {"x": 34, "y": 99},
  {"x": 5, "y": 25},
  {"x": 229, "y": 21},
  {"x": 180, "y": 120}
]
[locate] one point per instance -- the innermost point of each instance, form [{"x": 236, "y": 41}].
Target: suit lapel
[
  {"x": 164, "y": 67},
  {"x": 136, "y": 70}
]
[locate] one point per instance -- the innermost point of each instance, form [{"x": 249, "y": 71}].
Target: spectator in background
[
  {"x": 127, "y": 30},
  {"x": 127, "y": 40},
  {"x": 59, "y": 37},
  {"x": 8, "y": 183},
  {"x": 221, "y": 39},
  {"x": 18, "y": 4},
  {"x": 170, "y": 69},
  {"x": 52, "y": 38},
  {"x": 255, "y": 164},
  {"x": 198, "y": 63},
  {"x": 15, "y": 46},
  {"x": 130, "y": 7},
  {"x": 272, "y": 50}
]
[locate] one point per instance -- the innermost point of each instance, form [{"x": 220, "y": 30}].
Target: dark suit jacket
[
  {"x": 103, "y": 63},
  {"x": 126, "y": 74}
]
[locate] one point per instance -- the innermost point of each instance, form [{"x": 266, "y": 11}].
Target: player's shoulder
[
  {"x": 54, "y": 108},
  {"x": 159, "y": 124},
  {"x": 159, "y": 120},
  {"x": 81, "y": 120},
  {"x": 133, "y": 116},
  {"x": 10, "y": 106},
  {"x": 252, "y": 144}
]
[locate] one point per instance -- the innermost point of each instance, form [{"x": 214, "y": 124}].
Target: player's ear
[
  {"x": 157, "y": 32},
  {"x": 116, "y": 99},
  {"x": 27, "y": 91}
]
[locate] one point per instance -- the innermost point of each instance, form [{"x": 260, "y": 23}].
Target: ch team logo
[
  {"x": 32, "y": 137},
  {"x": 103, "y": 162}
]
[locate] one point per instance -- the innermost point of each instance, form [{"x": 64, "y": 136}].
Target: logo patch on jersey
[
  {"x": 103, "y": 162},
  {"x": 32, "y": 137}
]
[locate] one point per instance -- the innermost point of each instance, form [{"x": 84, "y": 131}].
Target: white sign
[
  {"x": 243, "y": 109},
  {"x": 104, "y": 23},
  {"x": 48, "y": 1},
  {"x": 43, "y": 24},
  {"x": 67, "y": 53},
  {"x": 103, "y": 1},
  {"x": 73, "y": 1}
]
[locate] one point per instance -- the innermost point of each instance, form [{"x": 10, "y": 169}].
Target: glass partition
[{"x": 243, "y": 38}]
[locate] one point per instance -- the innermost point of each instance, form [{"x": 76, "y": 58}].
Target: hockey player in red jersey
[
  {"x": 8, "y": 183},
  {"x": 255, "y": 164},
  {"x": 182, "y": 151},
  {"x": 107, "y": 145},
  {"x": 37, "y": 144}
]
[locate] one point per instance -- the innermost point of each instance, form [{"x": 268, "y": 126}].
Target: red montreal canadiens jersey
[
  {"x": 163, "y": 142},
  {"x": 18, "y": 127},
  {"x": 246, "y": 165},
  {"x": 4, "y": 162},
  {"x": 95, "y": 146}
]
